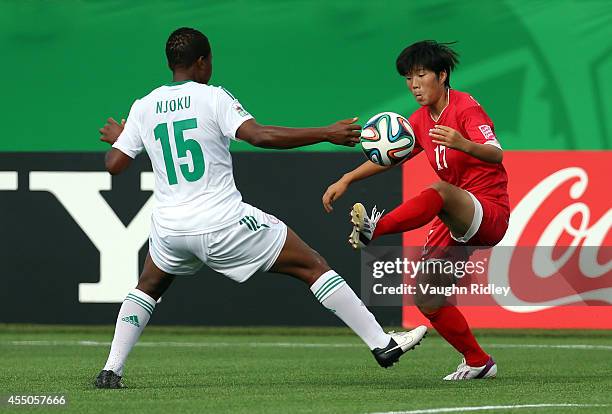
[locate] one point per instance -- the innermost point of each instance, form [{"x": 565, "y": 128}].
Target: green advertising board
[{"x": 538, "y": 67}]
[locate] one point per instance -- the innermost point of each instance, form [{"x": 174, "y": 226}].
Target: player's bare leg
[
  {"x": 153, "y": 281},
  {"x": 457, "y": 207},
  {"x": 297, "y": 259},
  {"x": 133, "y": 317}
]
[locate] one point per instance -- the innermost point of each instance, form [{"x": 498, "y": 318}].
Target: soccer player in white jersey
[{"x": 199, "y": 218}]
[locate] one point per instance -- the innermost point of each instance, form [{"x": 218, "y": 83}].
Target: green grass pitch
[{"x": 301, "y": 370}]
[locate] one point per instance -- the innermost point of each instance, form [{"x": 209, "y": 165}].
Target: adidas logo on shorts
[{"x": 251, "y": 223}]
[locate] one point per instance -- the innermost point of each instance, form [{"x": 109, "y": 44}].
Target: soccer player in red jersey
[{"x": 469, "y": 205}]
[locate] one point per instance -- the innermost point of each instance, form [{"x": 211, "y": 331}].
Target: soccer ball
[{"x": 387, "y": 138}]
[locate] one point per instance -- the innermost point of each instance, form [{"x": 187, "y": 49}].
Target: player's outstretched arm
[
  {"x": 115, "y": 160},
  {"x": 337, "y": 189},
  {"x": 344, "y": 132}
]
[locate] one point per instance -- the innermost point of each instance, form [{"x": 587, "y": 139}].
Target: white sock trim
[
  {"x": 142, "y": 299},
  {"x": 326, "y": 285},
  {"x": 322, "y": 279}
]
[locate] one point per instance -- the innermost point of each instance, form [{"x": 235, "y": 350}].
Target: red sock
[
  {"x": 411, "y": 214},
  {"x": 452, "y": 326}
]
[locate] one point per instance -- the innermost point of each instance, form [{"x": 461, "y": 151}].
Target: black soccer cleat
[
  {"x": 108, "y": 379},
  {"x": 400, "y": 343}
]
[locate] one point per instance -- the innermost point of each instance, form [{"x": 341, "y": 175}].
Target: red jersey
[{"x": 463, "y": 113}]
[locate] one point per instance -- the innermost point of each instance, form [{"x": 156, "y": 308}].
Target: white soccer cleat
[
  {"x": 400, "y": 343},
  {"x": 466, "y": 372},
  {"x": 363, "y": 226}
]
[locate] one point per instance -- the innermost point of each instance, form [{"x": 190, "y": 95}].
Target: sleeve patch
[
  {"x": 239, "y": 109},
  {"x": 486, "y": 132}
]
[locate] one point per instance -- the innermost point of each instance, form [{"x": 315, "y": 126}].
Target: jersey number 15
[{"x": 183, "y": 146}]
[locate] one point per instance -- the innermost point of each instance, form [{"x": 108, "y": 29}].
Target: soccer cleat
[
  {"x": 363, "y": 226},
  {"x": 108, "y": 379},
  {"x": 466, "y": 372},
  {"x": 400, "y": 343}
]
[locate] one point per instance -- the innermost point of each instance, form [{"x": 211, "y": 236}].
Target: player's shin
[
  {"x": 452, "y": 326},
  {"x": 411, "y": 214},
  {"x": 336, "y": 295},
  {"x": 133, "y": 316}
]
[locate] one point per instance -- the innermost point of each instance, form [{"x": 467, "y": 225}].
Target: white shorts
[{"x": 253, "y": 243}]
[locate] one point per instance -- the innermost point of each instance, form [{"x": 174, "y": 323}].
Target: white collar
[{"x": 442, "y": 111}]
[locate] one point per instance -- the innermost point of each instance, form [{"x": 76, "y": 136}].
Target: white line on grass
[
  {"x": 282, "y": 345},
  {"x": 489, "y": 408},
  {"x": 188, "y": 344},
  {"x": 560, "y": 346}
]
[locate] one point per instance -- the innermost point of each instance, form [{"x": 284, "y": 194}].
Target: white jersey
[{"x": 186, "y": 128}]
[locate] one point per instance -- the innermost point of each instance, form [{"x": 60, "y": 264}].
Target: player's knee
[
  {"x": 151, "y": 286},
  {"x": 317, "y": 266},
  {"x": 443, "y": 188},
  {"x": 429, "y": 303},
  {"x": 431, "y": 291},
  {"x": 428, "y": 309}
]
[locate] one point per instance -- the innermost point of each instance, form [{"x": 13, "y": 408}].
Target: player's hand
[
  {"x": 111, "y": 130},
  {"x": 449, "y": 137},
  {"x": 333, "y": 193},
  {"x": 345, "y": 132}
]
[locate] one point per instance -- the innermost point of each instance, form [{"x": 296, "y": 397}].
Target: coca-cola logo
[
  {"x": 569, "y": 259},
  {"x": 560, "y": 202}
]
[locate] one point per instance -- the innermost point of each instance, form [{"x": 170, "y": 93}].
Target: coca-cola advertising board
[{"x": 560, "y": 200}]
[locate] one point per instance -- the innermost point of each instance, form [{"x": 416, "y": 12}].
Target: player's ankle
[{"x": 477, "y": 360}]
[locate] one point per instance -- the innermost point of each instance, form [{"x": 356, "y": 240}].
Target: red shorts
[{"x": 492, "y": 228}]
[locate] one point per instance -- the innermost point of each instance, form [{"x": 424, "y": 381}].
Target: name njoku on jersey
[{"x": 172, "y": 105}]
